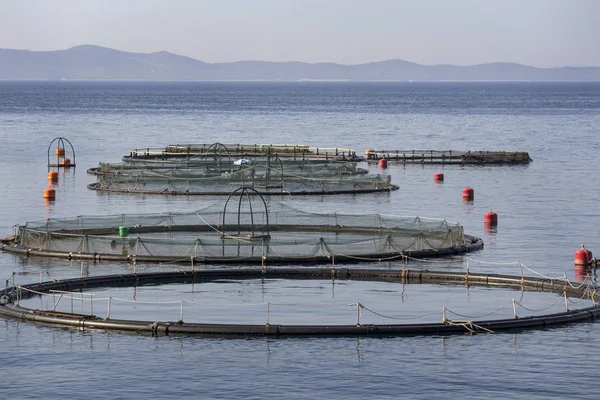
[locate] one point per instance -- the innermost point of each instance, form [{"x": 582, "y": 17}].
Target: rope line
[
  {"x": 541, "y": 309},
  {"x": 480, "y": 316},
  {"x": 468, "y": 325},
  {"x": 395, "y": 318}
]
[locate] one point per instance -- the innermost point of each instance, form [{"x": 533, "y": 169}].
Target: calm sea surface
[{"x": 546, "y": 210}]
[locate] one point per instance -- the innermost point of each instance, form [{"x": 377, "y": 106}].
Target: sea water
[{"x": 546, "y": 210}]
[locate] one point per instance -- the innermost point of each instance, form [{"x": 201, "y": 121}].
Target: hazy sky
[{"x": 544, "y": 33}]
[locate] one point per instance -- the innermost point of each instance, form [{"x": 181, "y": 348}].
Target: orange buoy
[
  {"x": 369, "y": 151},
  {"x": 490, "y": 218},
  {"x": 60, "y": 152},
  {"x": 52, "y": 176},
  {"x": 49, "y": 194},
  {"x": 383, "y": 163},
  {"x": 583, "y": 256},
  {"x": 65, "y": 162},
  {"x": 438, "y": 177},
  {"x": 468, "y": 193}
]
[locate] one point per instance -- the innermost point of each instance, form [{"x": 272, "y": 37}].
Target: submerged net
[
  {"x": 222, "y": 184},
  {"x": 214, "y": 169},
  {"x": 270, "y": 174},
  {"x": 211, "y": 166},
  {"x": 243, "y": 231}
]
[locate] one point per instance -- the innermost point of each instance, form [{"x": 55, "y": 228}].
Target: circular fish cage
[
  {"x": 244, "y": 233},
  {"x": 290, "y": 151},
  {"x": 202, "y": 164},
  {"x": 268, "y": 173},
  {"x": 69, "y": 303},
  {"x": 203, "y": 167}
]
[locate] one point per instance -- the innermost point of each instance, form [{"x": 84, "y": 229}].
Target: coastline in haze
[{"x": 90, "y": 62}]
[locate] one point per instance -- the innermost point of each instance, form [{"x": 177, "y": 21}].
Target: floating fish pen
[
  {"x": 459, "y": 157},
  {"x": 242, "y": 232},
  {"x": 221, "y": 185},
  {"x": 269, "y": 174},
  {"x": 249, "y": 151},
  {"x": 203, "y": 166},
  {"x": 69, "y": 303}
]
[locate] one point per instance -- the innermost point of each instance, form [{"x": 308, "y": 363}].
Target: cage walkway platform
[
  {"x": 237, "y": 150},
  {"x": 458, "y": 157},
  {"x": 10, "y": 307}
]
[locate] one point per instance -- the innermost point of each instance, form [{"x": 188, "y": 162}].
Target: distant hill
[{"x": 94, "y": 62}]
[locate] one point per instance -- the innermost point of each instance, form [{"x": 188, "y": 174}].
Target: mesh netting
[
  {"x": 216, "y": 171},
  {"x": 269, "y": 174},
  {"x": 450, "y": 156},
  {"x": 242, "y": 230},
  {"x": 223, "y": 184},
  {"x": 297, "y": 151},
  {"x": 215, "y": 167}
]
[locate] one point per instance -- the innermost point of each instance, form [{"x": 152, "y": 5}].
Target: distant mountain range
[{"x": 89, "y": 62}]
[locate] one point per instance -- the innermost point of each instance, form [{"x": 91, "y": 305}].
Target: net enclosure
[
  {"x": 293, "y": 151},
  {"x": 270, "y": 174},
  {"x": 243, "y": 230},
  {"x": 204, "y": 166},
  {"x": 458, "y": 157}
]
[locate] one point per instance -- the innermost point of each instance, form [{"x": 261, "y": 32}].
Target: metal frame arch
[
  {"x": 61, "y": 144},
  {"x": 244, "y": 193}
]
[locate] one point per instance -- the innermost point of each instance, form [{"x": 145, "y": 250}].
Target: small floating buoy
[
  {"x": 383, "y": 163},
  {"x": 66, "y": 162},
  {"x": 123, "y": 231},
  {"x": 438, "y": 177},
  {"x": 369, "y": 151},
  {"x": 490, "y": 218},
  {"x": 49, "y": 194},
  {"x": 583, "y": 257},
  {"x": 52, "y": 176},
  {"x": 60, "y": 152},
  {"x": 468, "y": 193}
]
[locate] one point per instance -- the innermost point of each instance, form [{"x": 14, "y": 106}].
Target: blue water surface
[{"x": 546, "y": 210}]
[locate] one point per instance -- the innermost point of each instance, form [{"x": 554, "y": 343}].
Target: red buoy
[
  {"x": 383, "y": 163},
  {"x": 468, "y": 193},
  {"x": 49, "y": 194},
  {"x": 66, "y": 162},
  {"x": 583, "y": 256},
  {"x": 490, "y": 218},
  {"x": 438, "y": 177},
  {"x": 52, "y": 176}
]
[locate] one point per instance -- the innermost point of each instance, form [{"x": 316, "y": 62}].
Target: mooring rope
[
  {"x": 369, "y": 258},
  {"x": 480, "y": 316},
  {"x": 493, "y": 262},
  {"x": 222, "y": 233},
  {"x": 538, "y": 273},
  {"x": 468, "y": 325},
  {"x": 541, "y": 309},
  {"x": 395, "y": 318},
  {"x": 582, "y": 284}
]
